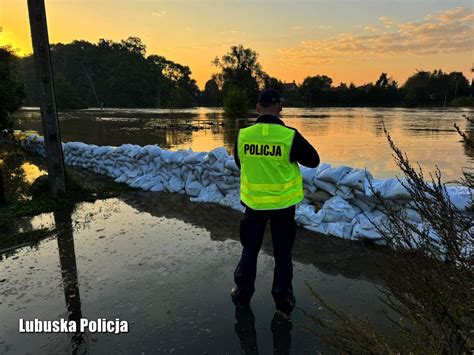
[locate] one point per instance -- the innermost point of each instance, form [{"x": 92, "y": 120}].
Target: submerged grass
[{"x": 27, "y": 194}]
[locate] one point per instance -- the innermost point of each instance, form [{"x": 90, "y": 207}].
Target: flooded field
[
  {"x": 165, "y": 265},
  {"x": 342, "y": 136}
]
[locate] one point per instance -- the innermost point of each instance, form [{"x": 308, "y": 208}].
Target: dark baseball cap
[{"x": 269, "y": 96}]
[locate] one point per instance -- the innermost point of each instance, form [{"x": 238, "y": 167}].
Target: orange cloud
[{"x": 448, "y": 32}]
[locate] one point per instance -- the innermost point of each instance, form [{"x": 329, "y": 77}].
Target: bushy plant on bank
[
  {"x": 427, "y": 275},
  {"x": 236, "y": 103}
]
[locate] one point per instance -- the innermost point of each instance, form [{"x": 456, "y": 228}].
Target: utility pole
[{"x": 49, "y": 114}]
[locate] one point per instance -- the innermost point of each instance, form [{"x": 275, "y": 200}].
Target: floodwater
[
  {"x": 342, "y": 136},
  {"x": 165, "y": 265}
]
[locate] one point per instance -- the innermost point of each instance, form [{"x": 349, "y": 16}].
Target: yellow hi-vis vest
[{"x": 268, "y": 179}]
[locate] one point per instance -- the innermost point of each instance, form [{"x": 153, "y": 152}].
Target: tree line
[{"x": 121, "y": 74}]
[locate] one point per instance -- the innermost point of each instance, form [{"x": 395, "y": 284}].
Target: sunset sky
[{"x": 350, "y": 40}]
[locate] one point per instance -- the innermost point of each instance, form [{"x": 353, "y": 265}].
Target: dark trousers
[{"x": 252, "y": 228}]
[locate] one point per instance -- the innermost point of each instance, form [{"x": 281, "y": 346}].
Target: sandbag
[
  {"x": 193, "y": 188},
  {"x": 320, "y": 196},
  {"x": 194, "y": 158},
  {"x": 305, "y": 214},
  {"x": 334, "y": 175},
  {"x": 338, "y": 210},
  {"x": 356, "y": 179},
  {"x": 460, "y": 196},
  {"x": 390, "y": 189},
  {"x": 364, "y": 225},
  {"x": 310, "y": 188},
  {"x": 362, "y": 204},
  {"x": 326, "y": 186},
  {"x": 345, "y": 192},
  {"x": 308, "y": 174}
]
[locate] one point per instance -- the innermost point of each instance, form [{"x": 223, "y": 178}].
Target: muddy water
[
  {"x": 343, "y": 136},
  {"x": 165, "y": 265}
]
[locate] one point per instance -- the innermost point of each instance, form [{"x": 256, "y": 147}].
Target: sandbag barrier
[{"x": 338, "y": 201}]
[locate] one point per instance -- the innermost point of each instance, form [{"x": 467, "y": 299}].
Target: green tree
[
  {"x": 315, "y": 89},
  {"x": 12, "y": 90},
  {"x": 66, "y": 95},
  {"x": 240, "y": 68},
  {"x": 435, "y": 88},
  {"x": 114, "y": 74}
]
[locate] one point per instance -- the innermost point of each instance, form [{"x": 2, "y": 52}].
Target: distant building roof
[{"x": 287, "y": 87}]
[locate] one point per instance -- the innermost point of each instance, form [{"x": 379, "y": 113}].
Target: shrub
[{"x": 236, "y": 103}]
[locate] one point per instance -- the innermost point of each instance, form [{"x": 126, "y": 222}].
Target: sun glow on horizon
[{"x": 349, "y": 43}]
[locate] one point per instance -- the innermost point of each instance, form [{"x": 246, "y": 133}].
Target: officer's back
[{"x": 271, "y": 185}]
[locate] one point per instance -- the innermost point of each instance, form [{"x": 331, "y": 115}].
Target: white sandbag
[
  {"x": 460, "y": 196},
  {"x": 148, "y": 185},
  {"x": 231, "y": 165},
  {"x": 121, "y": 179},
  {"x": 365, "y": 225},
  {"x": 363, "y": 229},
  {"x": 225, "y": 188},
  {"x": 218, "y": 166},
  {"x": 166, "y": 156},
  {"x": 101, "y": 150},
  {"x": 194, "y": 157},
  {"x": 157, "y": 187},
  {"x": 216, "y": 154},
  {"x": 321, "y": 167},
  {"x": 334, "y": 175},
  {"x": 356, "y": 179},
  {"x": 339, "y": 229},
  {"x": 362, "y": 204},
  {"x": 193, "y": 188},
  {"x": 154, "y": 151},
  {"x": 326, "y": 186},
  {"x": 308, "y": 174},
  {"x": 413, "y": 215},
  {"x": 338, "y": 210},
  {"x": 390, "y": 189},
  {"x": 305, "y": 214},
  {"x": 310, "y": 188},
  {"x": 175, "y": 184},
  {"x": 345, "y": 192},
  {"x": 139, "y": 181}
]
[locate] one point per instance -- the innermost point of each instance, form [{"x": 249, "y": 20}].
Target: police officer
[{"x": 268, "y": 154}]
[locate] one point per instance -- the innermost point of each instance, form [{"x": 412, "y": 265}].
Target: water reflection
[
  {"x": 343, "y": 136},
  {"x": 281, "y": 329},
  {"x": 67, "y": 259},
  {"x": 245, "y": 329},
  {"x": 331, "y": 256}
]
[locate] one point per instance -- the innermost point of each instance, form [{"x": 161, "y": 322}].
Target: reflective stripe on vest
[{"x": 268, "y": 179}]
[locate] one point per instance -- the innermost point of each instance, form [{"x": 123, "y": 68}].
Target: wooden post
[
  {"x": 49, "y": 115},
  {"x": 3, "y": 199}
]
